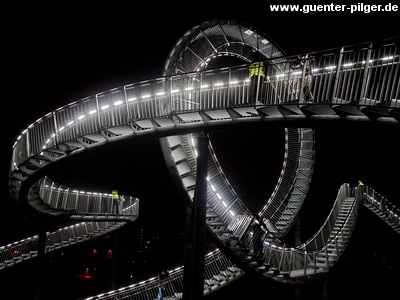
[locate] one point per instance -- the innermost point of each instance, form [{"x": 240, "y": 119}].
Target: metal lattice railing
[
  {"x": 217, "y": 270},
  {"x": 317, "y": 254},
  {"x": 87, "y": 203},
  {"x": 362, "y": 76},
  {"x": 25, "y": 249},
  {"x": 385, "y": 209}
]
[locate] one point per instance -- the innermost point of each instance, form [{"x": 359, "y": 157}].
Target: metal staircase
[
  {"x": 383, "y": 208},
  {"x": 279, "y": 262},
  {"x": 357, "y": 87}
]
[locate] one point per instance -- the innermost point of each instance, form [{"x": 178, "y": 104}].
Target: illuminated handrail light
[{"x": 117, "y": 103}]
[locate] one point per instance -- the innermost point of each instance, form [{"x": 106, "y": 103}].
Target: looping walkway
[{"x": 354, "y": 84}]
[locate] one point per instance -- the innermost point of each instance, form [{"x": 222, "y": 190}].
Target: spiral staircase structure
[{"x": 354, "y": 84}]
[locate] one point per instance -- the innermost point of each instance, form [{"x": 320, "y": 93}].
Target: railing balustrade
[
  {"x": 87, "y": 203},
  {"x": 361, "y": 76},
  {"x": 305, "y": 259},
  {"x": 385, "y": 206},
  {"x": 25, "y": 249},
  {"x": 217, "y": 269}
]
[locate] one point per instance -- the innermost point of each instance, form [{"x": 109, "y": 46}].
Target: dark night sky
[{"x": 61, "y": 53}]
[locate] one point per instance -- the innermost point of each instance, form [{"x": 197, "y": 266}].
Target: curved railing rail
[
  {"x": 55, "y": 199},
  {"x": 382, "y": 207},
  {"x": 283, "y": 263},
  {"x": 26, "y": 249},
  {"x": 312, "y": 258},
  {"x": 296, "y": 264},
  {"x": 218, "y": 270},
  {"x": 84, "y": 204},
  {"x": 324, "y": 234},
  {"x": 337, "y": 80},
  {"x": 360, "y": 81}
]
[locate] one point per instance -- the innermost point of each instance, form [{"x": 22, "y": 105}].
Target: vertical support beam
[
  {"x": 55, "y": 127},
  {"x": 303, "y": 75},
  {"x": 193, "y": 280},
  {"x": 128, "y": 111},
  {"x": 98, "y": 112},
  {"x": 365, "y": 76},
  {"x": 171, "y": 102},
  {"x": 338, "y": 72}
]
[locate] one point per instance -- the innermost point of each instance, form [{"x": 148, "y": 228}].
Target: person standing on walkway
[
  {"x": 259, "y": 229},
  {"x": 305, "y": 62},
  {"x": 256, "y": 76},
  {"x": 115, "y": 201},
  {"x": 162, "y": 277}
]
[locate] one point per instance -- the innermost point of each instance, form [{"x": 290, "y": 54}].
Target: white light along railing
[
  {"x": 312, "y": 256},
  {"x": 25, "y": 249},
  {"x": 217, "y": 271},
  {"x": 364, "y": 76},
  {"x": 385, "y": 206},
  {"x": 89, "y": 203},
  {"x": 305, "y": 259}
]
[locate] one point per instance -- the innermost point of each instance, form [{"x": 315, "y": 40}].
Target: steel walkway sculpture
[{"x": 353, "y": 84}]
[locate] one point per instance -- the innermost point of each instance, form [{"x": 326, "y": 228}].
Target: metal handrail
[
  {"x": 84, "y": 202},
  {"x": 218, "y": 270},
  {"x": 26, "y": 249},
  {"x": 275, "y": 248},
  {"x": 390, "y": 211},
  {"x": 363, "y": 82},
  {"x": 344, "y": 192},
  {"x": 206, "y": 90}
]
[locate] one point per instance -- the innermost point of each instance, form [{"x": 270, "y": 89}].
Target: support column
[{"x": 193, "y": 281}]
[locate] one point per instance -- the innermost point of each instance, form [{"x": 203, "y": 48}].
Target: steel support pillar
[{"x": 193, "y": 281}]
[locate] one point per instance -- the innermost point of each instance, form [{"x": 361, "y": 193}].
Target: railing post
[
  {"x": 50, "y": 194},
  {"x": 335, "y": 87},
  {"x": 98, "y": 111},
  {"x": 55, "y": 128},
  {"x": 128, "y": 111},
  {"x": 28, "y": 144},
  {"x": 303, "y": 75},
  {"x": 365, "y": 76},
  {"x": 201, "y": 104},
  {"x": 170, "y": 97}
]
